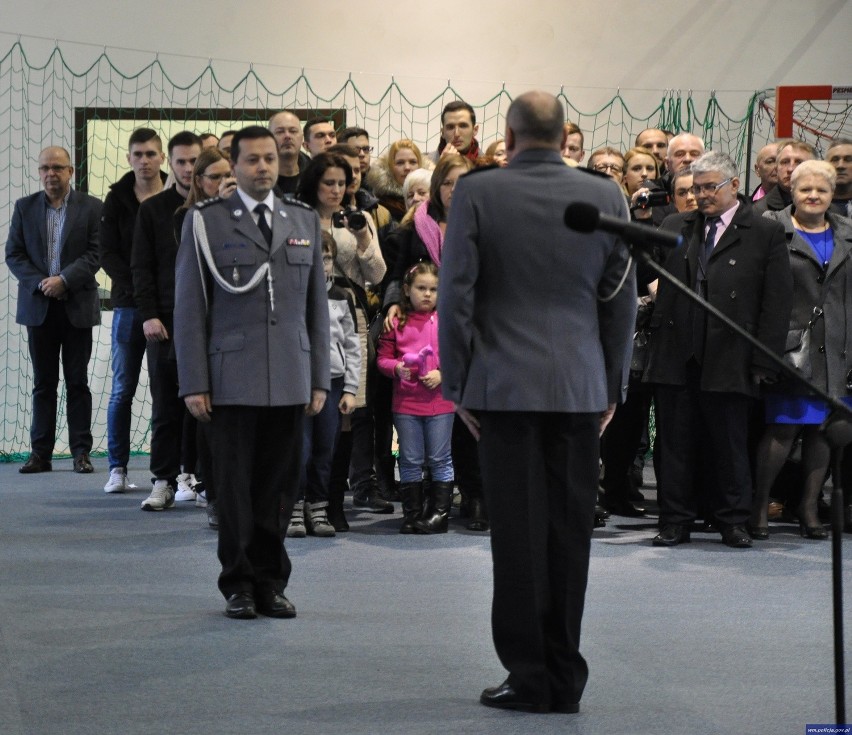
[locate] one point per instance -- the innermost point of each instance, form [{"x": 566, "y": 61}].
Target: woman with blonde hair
[{"x": 387, "y": 175}]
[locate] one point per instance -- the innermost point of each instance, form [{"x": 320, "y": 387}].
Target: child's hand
[
  {"x": 403, "y": 372},
  {"x": 347, "y": 404},
  {"x": 432, "y": 379}
]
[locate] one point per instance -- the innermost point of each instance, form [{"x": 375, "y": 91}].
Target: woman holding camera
[
  {"x": 323, "y": 186},
  {"x": 820, "y": 246},
  {"x": 640, "y": 167}
]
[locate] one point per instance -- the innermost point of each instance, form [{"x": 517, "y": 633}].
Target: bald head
[
  {"x": 683, "y": 150},
  {"x": 535, "y": 120}
]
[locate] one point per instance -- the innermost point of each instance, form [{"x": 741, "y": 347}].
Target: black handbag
[{"x": 797, "y": 351}]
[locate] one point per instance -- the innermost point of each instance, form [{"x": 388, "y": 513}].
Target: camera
[
  {"x": 654, "y": 198},
  {"x": 357, "y": 219}
]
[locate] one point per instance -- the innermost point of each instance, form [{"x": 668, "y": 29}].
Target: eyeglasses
[
  {"x": 327, "y": 259},
  {"x": 699, "y": 189},
  {"x": 55, "y": 169},
  {"x": 215, "y": 177},
  {"x": 604, "y": 167},
  {"x": 364, "y": 148}
]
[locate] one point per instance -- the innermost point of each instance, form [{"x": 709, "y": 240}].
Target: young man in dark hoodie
[
  {"x": 118, "y": 219},
  {"x": 155, "y": 245}
]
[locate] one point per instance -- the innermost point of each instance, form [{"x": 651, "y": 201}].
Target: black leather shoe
[
  {"x": 624, "y": 508},
  {"x": 758, "y": 533},
  {"x": 36, "y": 463},
  {"x": 370, "y": 500},
  {"x": 736, "y": 537},
  {"x": 274, "y": 605},
  {"x": 82, "y": 464},
  {"x": 505, "y": 697},
  {"x": 241, "y": 606},
  {"x": 671, "y": 535},
  {"x": 814, "y": 532}
]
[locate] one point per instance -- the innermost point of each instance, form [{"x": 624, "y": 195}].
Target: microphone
[{"x": 586, "y": 217}]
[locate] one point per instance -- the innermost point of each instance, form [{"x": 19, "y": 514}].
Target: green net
[{"x": 92, "y": 111}]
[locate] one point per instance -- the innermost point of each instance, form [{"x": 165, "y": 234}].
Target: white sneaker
[
  {"x": 162, "y": 496},
  {"x": 185, "y": 487},
  {"x": 201, "y": 499},
  {"x": 117, "y": 482}
]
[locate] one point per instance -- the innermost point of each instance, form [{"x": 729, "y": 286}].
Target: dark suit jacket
[
  {"x": 523, "y": 323},
  {"x": 748, "y": 279},
  {"x": 27, "y": 258}
]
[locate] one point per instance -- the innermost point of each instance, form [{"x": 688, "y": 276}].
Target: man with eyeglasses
[
  {"x": 118, "y": 220},
  {"x": 292, "y": 160},
  {"x": 359, "y": 139},
  {"x": 705, "y": 376},
  {"x": 152, "y": 262},
  {"x": 52, "y": 250},
  {"x": 607, "y": 161}
]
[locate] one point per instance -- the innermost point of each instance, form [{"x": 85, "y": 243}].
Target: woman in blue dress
[{"x": 820, "y": 246}]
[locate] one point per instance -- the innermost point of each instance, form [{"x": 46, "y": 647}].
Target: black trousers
[
  {"x": 167, "y": 410},
  {"x": 257, "y": 454},
  {"x": 621, "y": 440},
  {"x": 55, "y": 340},
  {"x": 707, "y": 427},
  {"x": 540, "y": 473}
]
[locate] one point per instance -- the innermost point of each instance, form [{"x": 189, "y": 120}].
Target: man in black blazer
[
  {"x": 706, "y": 376},
  {"x": 53, "y": 252},
  {"x": 535, "y": 336}
]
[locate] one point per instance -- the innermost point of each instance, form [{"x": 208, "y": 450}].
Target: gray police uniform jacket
[
  {"x": 268, "y": 346},
  {"x": 525, "y": 320}
]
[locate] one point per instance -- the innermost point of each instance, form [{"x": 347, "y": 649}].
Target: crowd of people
[
  {"x": 730, "y": 433},
  {"x": 300, "y": 304}
]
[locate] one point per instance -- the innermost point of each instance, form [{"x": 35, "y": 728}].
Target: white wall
[{"x": 592, "y": 47}]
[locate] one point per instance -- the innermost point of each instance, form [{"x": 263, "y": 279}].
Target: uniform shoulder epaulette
[
  {"x": 479, "y": 169},
  {"x": 288, "y": 199},
  {"x": 208, "y": 202},
  {"x": 591, "y": 171}
]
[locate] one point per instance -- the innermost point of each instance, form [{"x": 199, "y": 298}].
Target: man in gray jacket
[
  {"x": 536, "y": 326},
  {"x": 252, "y": 342}
]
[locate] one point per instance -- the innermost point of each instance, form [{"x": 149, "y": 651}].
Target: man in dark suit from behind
[
  {"x": 536, "y": 325},
  {"x": 706, "y": 376},
  {"x": 53, "y": 252}
]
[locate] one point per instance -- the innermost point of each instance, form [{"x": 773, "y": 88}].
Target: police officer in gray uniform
[
  {"x": 252, "y": 341},
  {"x": 536, "y": 325}
]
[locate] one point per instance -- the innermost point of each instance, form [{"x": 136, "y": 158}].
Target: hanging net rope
[{"x": 92, "y": 112}]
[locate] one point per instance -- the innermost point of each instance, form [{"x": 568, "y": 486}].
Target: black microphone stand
[{"x": 837, "y": 429}]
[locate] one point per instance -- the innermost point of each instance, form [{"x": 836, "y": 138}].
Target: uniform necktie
[{"x": 262, "y": 224}]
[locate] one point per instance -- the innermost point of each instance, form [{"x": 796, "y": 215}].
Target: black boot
[
  {"x": 336, "y": 517},
  {"x": 478, "y": 515},
  {"x": 411, "y": 494},
  {"x": 437, "y": 511}
]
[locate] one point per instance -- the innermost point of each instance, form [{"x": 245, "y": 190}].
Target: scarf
[{"x": 429, "y": 232}]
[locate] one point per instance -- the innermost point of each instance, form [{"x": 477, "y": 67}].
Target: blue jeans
[
  {"x": 128, "y": 349},
  {"x": 424, "y": 440}
]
